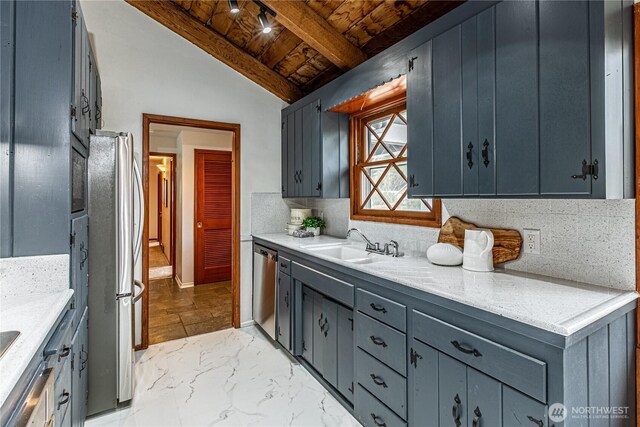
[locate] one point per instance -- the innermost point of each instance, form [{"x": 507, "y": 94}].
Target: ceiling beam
[
  {"x": 178, "y": 21},
  {"x": 305, "y": 23}
]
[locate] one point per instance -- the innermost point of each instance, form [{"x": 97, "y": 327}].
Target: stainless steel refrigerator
[{"x": 115, "y": 196}]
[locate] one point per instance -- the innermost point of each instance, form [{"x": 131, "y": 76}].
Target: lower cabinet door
[
  {"x": 373, "y": 413},
  {"x": 318, "y": 333},
  {"x": 452, "y": 391},
  {"x": 345, "y": 352},
  {"x": 80, "y": 263},
  {"x": 484, "y": 400},
  {"x": 518, "y": 409},
  {"x": 329, "y": 339},
  {"x": 283, "y": 311},
  {"x": 424, "y": 394},
  {"x": 308, "y": 324},
  {"x": 79, "y": 373}
]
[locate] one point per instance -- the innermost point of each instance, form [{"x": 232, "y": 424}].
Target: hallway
[
  {"x": 176, "y": 312},
  {"x": 159, "y": 266}
]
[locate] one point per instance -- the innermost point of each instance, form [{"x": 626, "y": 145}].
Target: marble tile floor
[
  {"x": 176, "y": 313},
  {"x": 234, "y": 377}
]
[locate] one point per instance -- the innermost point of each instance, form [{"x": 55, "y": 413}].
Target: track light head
[
  {"x": 264, "y": 22},
  {"x": 233, "y": 6}
]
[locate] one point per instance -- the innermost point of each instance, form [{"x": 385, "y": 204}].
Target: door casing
[{"x": 147, "y": 120}]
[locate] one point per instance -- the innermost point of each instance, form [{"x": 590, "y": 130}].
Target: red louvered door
[{"x": 213, "y": 216}]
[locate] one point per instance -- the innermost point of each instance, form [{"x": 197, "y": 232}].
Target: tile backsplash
[{"x": 590, "y": 241}]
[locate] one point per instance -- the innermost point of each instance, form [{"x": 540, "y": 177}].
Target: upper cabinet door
[
  {"x": 299, "y": 152},
  {"x": 78, "y": 124},
  {"x": 447, "y": 116},
  {"x": 517, "y": 98},
  {"x": 565, "y": 134},
  {"x": 420, "y": 119},
  {"x": 470, "y": 70},
  {"x": 486, "y": 86},
  {"x": 311, "y": 150},
  {"x": 284, "y": 154}
]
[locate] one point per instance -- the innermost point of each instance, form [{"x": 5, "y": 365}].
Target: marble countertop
[
  {"x": 34, "y": 292},
  {"x": 554, "y": 305}
]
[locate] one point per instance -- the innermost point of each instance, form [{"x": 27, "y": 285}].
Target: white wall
[
  {"x": 146, "y": 68},
  {"x": 188, "y": 142}
]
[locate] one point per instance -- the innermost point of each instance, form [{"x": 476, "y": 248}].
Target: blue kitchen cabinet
[
  {"x": 315, "y": 153},
  {"x": 327, "y": 336},
  {"x": 512, "y": 103},
  {"x": 418, "y": 359},
  {"x": 345, "y": 352},
  {"x": 283, "y": 310}
]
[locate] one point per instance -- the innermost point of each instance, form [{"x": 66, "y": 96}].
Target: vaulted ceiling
[{"x": 311, "y": 43}]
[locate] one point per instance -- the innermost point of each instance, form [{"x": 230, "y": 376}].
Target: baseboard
[
  {"x": 183, "y": 285},
  {"x": 247, "y": 323}
]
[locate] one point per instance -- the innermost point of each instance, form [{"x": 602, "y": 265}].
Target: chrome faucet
[
  {"x": 390, "y": 248},
  {"x": 371, "y": 247}
]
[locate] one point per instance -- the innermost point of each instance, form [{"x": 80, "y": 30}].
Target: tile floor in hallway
[
  {"x": 234, "y": 377},
  {"x": 176, "y": 312},
  {"x": 159, "y": 266}
]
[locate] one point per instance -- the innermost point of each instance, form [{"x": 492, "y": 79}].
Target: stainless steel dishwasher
[{"x": 264, "y": 288}]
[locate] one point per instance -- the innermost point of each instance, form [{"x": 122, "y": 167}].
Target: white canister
[{"x": 298, "y": 215}]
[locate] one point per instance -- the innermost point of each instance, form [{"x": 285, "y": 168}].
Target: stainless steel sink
[{"x": 6, "y": 339}]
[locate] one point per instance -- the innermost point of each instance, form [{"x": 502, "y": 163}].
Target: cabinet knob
[{"x": 199, "y": 225}]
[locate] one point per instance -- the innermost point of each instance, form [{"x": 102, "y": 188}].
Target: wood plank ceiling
[{"x": 311, "y": 43}]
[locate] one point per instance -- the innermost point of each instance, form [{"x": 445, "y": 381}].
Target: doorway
[
  {"x": 162, "y": 205},
  {"x": 202, "y": 293}
]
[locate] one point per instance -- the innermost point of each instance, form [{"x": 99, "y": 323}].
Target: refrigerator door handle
[
  {"x": 142, "y": 289},
  {"x": 138, "y": 242}
]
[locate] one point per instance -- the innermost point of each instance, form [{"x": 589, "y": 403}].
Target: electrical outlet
[{"x": 531, "y": 241}]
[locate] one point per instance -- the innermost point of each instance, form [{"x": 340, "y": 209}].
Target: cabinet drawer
[
  {"x": 323, "y": 283},
  {"x": 372, "y": 413},
  {"x": 58, "y": 349},
  {"x": 284, "y": 265},
  {"x": 382, "y": 342},
  {"x": 383, "y": 382},
  {"x": 62, "y": 398},
  {"x": 382, "y": 309},
  {"x": 511, "y": 367}
]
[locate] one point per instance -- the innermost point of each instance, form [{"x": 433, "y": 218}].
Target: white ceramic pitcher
[{"x": 478, "y": 245}]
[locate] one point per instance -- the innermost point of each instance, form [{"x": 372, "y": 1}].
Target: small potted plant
[{"x": 314, "y": 224}]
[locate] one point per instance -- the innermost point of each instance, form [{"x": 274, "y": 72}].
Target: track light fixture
[
  {"x": 233, "y": 6},
  {"x": 264, "y": 22}
]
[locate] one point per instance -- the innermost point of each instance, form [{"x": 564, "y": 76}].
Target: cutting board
[{"x": 507, "y": 243}]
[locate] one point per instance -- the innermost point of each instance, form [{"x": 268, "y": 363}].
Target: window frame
[{"x": 357, "y": 145}]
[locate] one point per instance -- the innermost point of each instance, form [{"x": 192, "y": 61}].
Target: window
[{"x": 379, "y": 153}]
